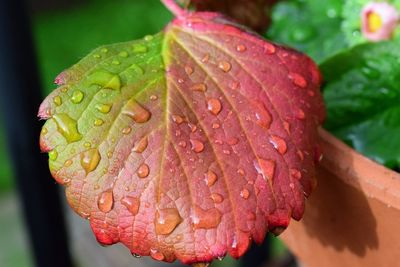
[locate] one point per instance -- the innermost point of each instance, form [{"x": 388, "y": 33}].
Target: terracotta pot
[{"x": 353, "y": 216}]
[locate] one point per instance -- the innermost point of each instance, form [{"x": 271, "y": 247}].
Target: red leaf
[{"x": 194, "y": 161}]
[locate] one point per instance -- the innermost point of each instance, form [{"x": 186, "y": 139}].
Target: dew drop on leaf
[
  {"x": 278, "y": 143},
  {"x": 214, "y": 106},
  {"x": 90, "y": 159},
  {"x": 67, "y": 127},
  {"x": 206, "y": 219},
  {"x": 210, "y": 178},
  {"x": 68, "y": 163},
  {"x": 298, "y": 80},
  {"x": 188, "y": 70},
  {"x": 265, "y": 167},
  {"x": 241, "y": 48},
  {"x": 132, "y": 204},
  {"x": 138, "y": 113},
  {"x": 300, "y": 114},
  {"x": 98, "y": 122},
  {"x": 103, "y": 108},
  {"x": 105, "y": 79},
  {"x": 269, "y": 48},
  {"x": 225, "y": 66},
  {"x": 177, "y": 119},
  {"x": 167, "y": 220},
  {"x": 143, "y": 171},
  {"x": 139, "y": 48},
  {"x": 157, "y": 255},
  {"x": 57, "y": 100},
  {"x": 106, "y": 201},
  {"x": 53, "y": 155},
  {"x": 217, "y": 198},
  {"x": 141, "y": 145},
  {"x": 245, "y": 193},
  {"x": 126, "y": 130},
  {"x": 197, "y": 146},
  {"x": 201, "y": 87}
]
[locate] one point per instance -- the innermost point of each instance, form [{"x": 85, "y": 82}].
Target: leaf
[
  {"x": 362, "y": 94},
  {"x": 310, "y": 26},
  {"x": 187, "y": 144},
  {"x": 255, "y": 14}
]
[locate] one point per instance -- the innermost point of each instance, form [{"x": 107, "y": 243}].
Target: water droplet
[
  {"x": 68, "y": 163},
  {"x": 138, "y": 113},
  {"x": 57, "y": 100},
  {"x": 177, "y": 119},
  {"x": 298, "y": 80},
  {"x": 77, "y": 97},
  {"x": 218, "y": 142},
  {"x": 310, "y": 93},
  {"x": 251, "y": 216},
  {"x": 300, "y": 114},
  {"x": 206, "y": 219},
  {"x": 180, "y": 80},
  {"x": 182, "y": 143},
  {"x": 116, "y": 62},
  {"x": 291, "y": 185},
  {"x": 87, "y": 144},
  {"x": 278, "y": 143},
  {"x": 215, "y": 125},
  {"x": 241, "y": 172},
  {"x": 143, "y": 171},
  {"x": 105, "y": 79},
  {"x": 167, "y": 220},
  {"x": 148, "y": 38},
  {"x": 90, "y": 159},
  {"x": 139, "y": 48},
  {"x": 67, "y": 127},
  {"x": 295, "y": 173},
  {"x": 157, "y": 255},
  {"x": 96, "y": 56},
  {"x": 197, "y": 146},
  {"x": 131, "y": 203},
  {"x": 136, "y": 255},
  {"x": 217, "y": 198},
  {"x": 220, "y": 258},
  {"x": 103, "y": 108},
  {"x": 137, "y": 69},
  {"x": 141, "y": 145},
  {"x": 201, "y": 87},
  {"x": 214, "y": 106},
  {"x": 105, "y": 201},
  {"x": 210, "y": 178},
  {"x": 104, "y": 50},
  {"x": 205, "y": 58},
  {"x": 98, "y": 122},
  {"x": 235, "y": 85},
  {"x": 232, "y": 141},
  {"x": 241, "y": 48},
  {"x": 193, "y": 127},
  {"x": 66, "y": 181},
  {"x": 263, "y": 117},
  {"x": 153, "y": 97},
  {"x": 269, "y": 48},
  {"x": 53, "y": 155},
  {"x": 127, "y": 130},
  {"x": 227, "y": 152},
  {"x": 224, "y": 66},
  {"x": 188, "y": 70},
  {"x": 123, "y": 54},
  {"x": 286, "y": 126},
  {"x": 265, "y": 167},
  {"x": 245, "y": 193},
  {"x": 300, "y": 154},
  {"x": 44, "y": 131}
]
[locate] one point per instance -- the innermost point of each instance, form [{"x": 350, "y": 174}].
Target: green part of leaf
[
  {"x": 362, "y": 95},
  {"x": 310, "y": 26}
]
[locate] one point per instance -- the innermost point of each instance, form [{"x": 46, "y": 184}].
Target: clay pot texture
[{"x": 353, "y": 216}]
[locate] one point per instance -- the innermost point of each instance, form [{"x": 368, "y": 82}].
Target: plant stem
[{"x": 174, "y": 8}]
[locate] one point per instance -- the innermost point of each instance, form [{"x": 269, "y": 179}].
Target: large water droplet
[
  {"x": 217, "y": 198},
  {"x": 131, "y": 203},
  {"x": 241, "y": 48},
  {"x": 53, "y": 155},
  {"x": 263, "y": 117},
  {"x": 90, "y": 159},
  {"x": 105, "y": 79},
  {"x": 225, "y": 66},
  {"x": 167, "y": 220},
  {"x": 197, "y": 146},
  {"x": 123, "y": 54},
  {"x": 214, "y": 106},
  {"x": 98, "y": 122},
  {"x": 245, "y": 193},
  {"x": 103, "y": 108},
  {"x": 206, "y": 219},
  {"x": 265, "y": 167},
  {"x": 157, "y": 255},
  {"x": 210, "y": 178},
  {"x": 126, "y": 130},
  {"x": 143, "y": 171},
  {"x": 57, "y": 100},
  {"x": 138, "y": 113},
  {"x": 298, "y": 80},
  {"x": 105, "y": 201},
  {"x": 137, "y": 69},
  {"x": 269, "y": 48},
  {"x": 278, "y": 143},
  {"x": 141, "y": 145},
  {"x": 77, "y": 97},
  {"x": 177, "y": 119},
  {"x": 67, "y": 127},
  {"x": 201, "y": 87}
]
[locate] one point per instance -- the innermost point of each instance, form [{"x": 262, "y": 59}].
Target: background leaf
[
  {"x": 362, "y": 95},
  {"x": 182, "y": 145}
]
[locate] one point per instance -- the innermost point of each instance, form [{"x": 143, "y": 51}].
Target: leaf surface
[
  {"x": 362, "y": 94},
  {"x": 187, "y": 144}
]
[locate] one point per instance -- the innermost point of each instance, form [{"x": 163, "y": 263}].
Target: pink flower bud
[{"x": 379, "y": 21}]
